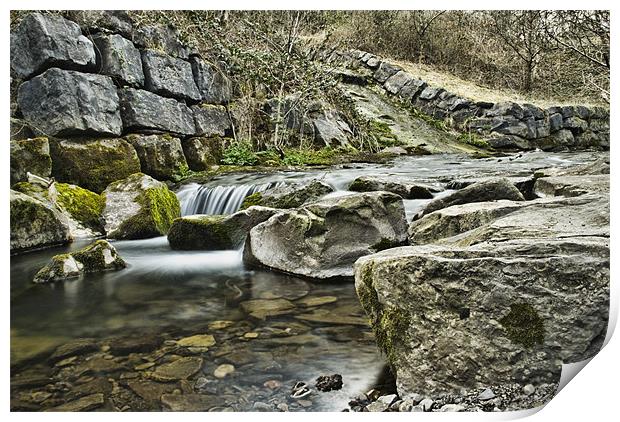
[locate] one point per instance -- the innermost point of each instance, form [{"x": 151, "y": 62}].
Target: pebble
[
  {"x": 262, "y": 407},
  {"x": 305, "y": 403},
  {"x": 223, "y": 370},
  {"x": 218, "y": 325},
  {"x": 283, "y": 407},
  {"x": 272, "y": 384},
  {"x": 427, "y": 404},
  {"x": 452, "y": 408},
  {"x": 529, "y": 389},
  {"x": 250, "y": 335},
  {"x": 199, "y": 340},
  {"x": 415, "y": 398},
  {"x": 487, "y": 394}
]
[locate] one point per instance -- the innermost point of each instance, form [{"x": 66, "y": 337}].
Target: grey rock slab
[
  {"x": 119, "y": 58},
  {"x": 211, "y": 120},
  {"x": 169, "y": 76},
  {"x": 212, "y": 81}
]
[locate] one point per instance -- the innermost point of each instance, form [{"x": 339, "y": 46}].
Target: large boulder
[
  {"x": 139, "y": 207},
  {"x": 143, "y": 111},
  {"x": 211, "y": 120},
  {"x": 43, "y": 41},
  {"x": 161, "y": 156},
  {"x": 93, "y": 163},
  {"x": 63, "y": 102},
  {"x": 404, "y": 188},
  {"x": 33, "y": 224},
  {"x": 161, "y": 37},
  {"x": 508, "y": 301},
  {"x": 329, "y": 128},
  {"x": 216, "y": 232},
  {"x": 30, "y": 155},
  {"x": 202, "y": 153},
  {"x": 169, "y": 76},
  {"x": 96, "y": 257},
  {"x": 487, "y": 190},
  {"x": 323, "y": 239},
  {"x": 106, "y": 21},
  {"x": 119, "y": 58},
  {"x": 214, "y": 85},
  {"x": 291, "y": 195},
  {"x": 80, "y": 208}
]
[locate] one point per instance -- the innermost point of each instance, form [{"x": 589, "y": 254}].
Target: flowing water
[{"x": 174, "y": 294}]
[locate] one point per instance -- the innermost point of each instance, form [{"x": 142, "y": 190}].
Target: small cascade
[{"x": 201, "y": 199}]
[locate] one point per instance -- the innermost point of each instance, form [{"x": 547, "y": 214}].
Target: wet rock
[
  {"x": 329, "y": 382},
  {"x": 179, "y": 369},
  {"x": 198, "y": 340},
  {"x": 83, "y": 404},
  {"x": 161, "y": 156},
  {"x": 571, "y": 185},
  {"x": 143, "y": 343},
  {"x": 63, "y": 102},
  {"x": 223, "y": 370},
  {"x": 30, "y": 155},
  {"x": 402, "y": 188},
  {"x": 96, "y": 257},
  {"x": 211, "y": 120},
  {"x": 190, "y": 402},
  {"x": 74, "y": 348},
  {"x": 490, "y": 190},
  {"x": 332, "y": 318},
  {"x": 316, "y": 300},
  {"x": 161, "y": 37},
  {"x": 93, "y": 163},
  {"x": 521, "y": 330},
  {"x": 214, "y": 85},
  {"x": 150, "y": 391},
  {"x": 323, "y": 239},
  {"x": 219, "y": 325},
  {"x": 216, "y": 232},
  {"x": 33, "y": 224},
  {"x": 262, "y": 407},
  {"x": 145, "y": 111},
  {"x": 118, "y": 58},
  {"x": 291, "y": 195},
  {"x": 262, "y": 308},
  {"x": 43, "y": 41},
  {"x": 139, "y": 207},
  {"x": 97, "y": 385},
  {"x": 169, "y": 76}
]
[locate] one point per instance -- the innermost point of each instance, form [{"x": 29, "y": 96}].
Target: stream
[{"x": 174, "y": 294}]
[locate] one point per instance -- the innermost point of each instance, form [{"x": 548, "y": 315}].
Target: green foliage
[
  {"x": 385, "y": 136},
  {"x": 523, "y": 325},
  {"x": 473, "y": 139},
  {"x": 239, "y": 154},
  {"x": 309, "y": 157}
]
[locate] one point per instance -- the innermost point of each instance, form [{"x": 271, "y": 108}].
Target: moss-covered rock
[
  {"x": 203, "y": 153},
  {"x": 139, "y": 207},
  {"x": 292, "y": 195},
  {"x": 30, "y": 155},
  {"x": 161, "y": 156},
  {"x": 216, "y": 232},
  {"x": 33, "y": 224},
  {"x": 93, "y": 164},
  {"x": 96, "y": 257}
]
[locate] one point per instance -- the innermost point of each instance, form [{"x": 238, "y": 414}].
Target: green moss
[
  {"x": 24, "y": 212},
  {"x": 208, "y": 232},
  {"x": 383, "y": 133},
  {"x": 311, "y": 157},
  {"x": 29, "y": 189},
  {"x": 523, "y": 325},
  {"x": 250, "y": 200},
  {"x": 473, "y": 139},
  {"x": 83, "y": 205}
]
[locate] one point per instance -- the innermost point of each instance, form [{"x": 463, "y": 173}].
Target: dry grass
[{"x": 473, "y": 91}]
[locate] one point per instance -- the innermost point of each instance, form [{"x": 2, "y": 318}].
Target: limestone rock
[
  {"x": 324, "y": 238},
  {"x": 202, "y": 153},
  {"x": 216, "y": 232},
  {"x": 290, "y": 195},
  {"x": 161, "y": 156},
  {"x": 96, "y": 257},
  {"x": 119, "y": 58},
  {"x": 82, "y": 404},
  {"x": 139, "y": 207},
  {"x": 566, "y": 185},
  {"x": 30, "y": 155},
  {"x": 211, "y": 120},
  {"x": 403, "y": 188},
  {"x": 143, "y": 110},
  {"x": 169, "y": 76},
  {"x": 43, "y": 41},
  {"x": 396, "y": 82},
  {"x": 161, "y": 37},
  {"x": 329, "y": 129},
  {"x": 106, "y": 21},
  {"x": 64, "y": 102},
  {"x": 35, "y": 225},
  {"x": 93, "y": 163},
  {"x": 214, "y": 85},
  {"x": 179, "y": 369},
  {"x": 488, "y": 190},
  {"x": 385, "y": 71}
]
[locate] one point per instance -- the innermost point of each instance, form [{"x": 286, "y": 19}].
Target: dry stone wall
[
  {"x": 504, "y": 125},
  {"x": 97, "y": 77}
]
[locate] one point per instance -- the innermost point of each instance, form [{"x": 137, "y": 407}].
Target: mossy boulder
[
  {"x": 161, "y": 156},
  {"x": 93, "y": 163},
  {"x": 292, "y": 195},
  {"x": 81, "y": 207},
  {"x": 30, "y": 155},
  {"x": 34, "y": 224},
  {"x": 203, "y": 153},
  {"x": 96, "y": 257},
  {"x": 404, "y": 188},
  {"x": 139, "y": 207},
  {"x": 216, "y": 232}
]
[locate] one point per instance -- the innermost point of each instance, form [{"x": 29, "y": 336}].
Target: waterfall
[{"x": 201, "y": 199}]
